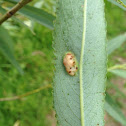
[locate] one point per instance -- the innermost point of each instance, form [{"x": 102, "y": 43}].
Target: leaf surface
[
  {"x": 115, "y": 43},
  {"x": 124, "y": 1},
  {"x": 119, "y": 4},
  {"x": 113, "y": 109},
  {"x": 39, "y": 15},
  {"x": 79, "y": 100},
  {"x": 2, "y": 10},
  {"x": 119, "y": 72},
  {"x": 6, "y": 48}
]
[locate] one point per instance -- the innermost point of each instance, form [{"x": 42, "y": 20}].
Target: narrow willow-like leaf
[
  {"x": 6, "y": 48},
  {"x": 124, "y": 1},
  {"x": 2, "y": 10},
  {"x": 115, "y": 43},
  {"x": 121, "y": 73},
  {"x": 12, "y": 0},
  {"x": 118, "y": 3},
  {"x": 39, "y": 15},
  {"x": 23, "y": 24},
  {"x": 113, "y": 109},
  {"x": 80, "y": 28},
  {"x": 116, "y": 88}
]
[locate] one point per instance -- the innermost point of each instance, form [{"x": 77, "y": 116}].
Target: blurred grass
[
  {"x": 35, "y": 55},
  {"x": 116, "y": 25}
]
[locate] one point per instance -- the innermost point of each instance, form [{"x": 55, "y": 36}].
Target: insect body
[{"x": 70, "y": 63}]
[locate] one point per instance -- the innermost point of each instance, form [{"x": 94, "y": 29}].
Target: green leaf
[
  {"x": 23, "y": 24},
  {"x": 115, "y": 43},
  {"x": 121, "y": 73},
  {"x": 113, "y": 109},
  {"x": 12, "y": 0},
  {"x": 116, "y": 88},
  {"x": 2, "y": 10},
  {"x": 7, "y": 49},
  {"x": 124, "y": 1},
  {"x": 39, "y": 15},
  {"x": 119, "y": 4},
  {"x": 78, "y": 100}
]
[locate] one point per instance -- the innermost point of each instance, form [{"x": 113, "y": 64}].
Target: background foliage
[{"x": 35, "y": 54}]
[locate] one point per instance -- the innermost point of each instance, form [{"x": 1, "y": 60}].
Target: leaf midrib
[{"x": 81, "y": 65}]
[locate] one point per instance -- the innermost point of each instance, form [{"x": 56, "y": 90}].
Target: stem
[
  {"x": 11, "y": 12},
  {"x": 26, "y": 94},
  {"x": 123, "y": 66},
  {"x": 120, "y": 2}
]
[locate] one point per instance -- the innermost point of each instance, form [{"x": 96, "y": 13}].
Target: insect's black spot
[
  {"x": 70, "y": 58},
  {"x": 76, "y": 67},
  {"x": 70, "y": 68},
  {"x": 74, "y": 62},
  {"x": 69, "y": 71}
]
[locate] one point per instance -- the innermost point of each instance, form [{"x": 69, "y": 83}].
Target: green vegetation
[{"x": 35, "y": 55}]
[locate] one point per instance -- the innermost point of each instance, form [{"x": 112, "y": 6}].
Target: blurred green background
[{"x": 34, "y": 52}]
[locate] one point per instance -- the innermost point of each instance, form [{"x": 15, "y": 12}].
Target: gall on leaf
[{"x": 70, "y": 63}]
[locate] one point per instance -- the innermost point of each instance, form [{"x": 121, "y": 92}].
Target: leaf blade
[
  {"x": 115, "y": 43},
  {"x": 113, "y": 109},
  {"x": 7, "y": 49},
  {"x": 39, "y": 15},
  {"x": 119, "y": 72},
  {"x": 117, "y": 4},
  {"x": 68, "y": 37},
  {"x": 17, "y": 20}
]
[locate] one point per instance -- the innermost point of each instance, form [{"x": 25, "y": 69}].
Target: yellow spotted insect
[{"x": 70, "y": 63}]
